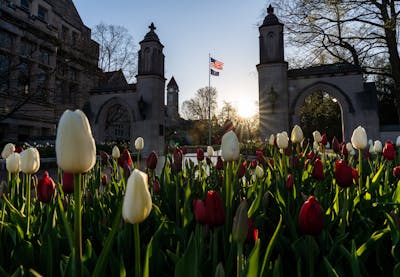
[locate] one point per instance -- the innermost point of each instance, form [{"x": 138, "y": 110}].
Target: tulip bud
[
  {"x": 104, "y": 156},
  {"x": 139, "y": 144},
  {"x": 359, "y": 138},
  {"x": 242, "y": 169},
  {"x": 13, "y": 162},
  {"x": 253, "y": 164},
  {"x": 215, "y": 210},
  {"x": 156, "y": 187},
  {"x": 219, "y": 270},
  {"x": 389, "y": 151},
  {"x": 68, "y": 182},
  {"x": 324, "y": 140},
  {"x": 19, "y": 149},
  {"x": 125, "y": 160},
  {"x": 282, "y": 140},
  {"x": 335, "y": 145},
  {"x": 259, "y": 172},
  {"x": 152, "y": 160},
  {"x": 137, "y": 202},
  {"x": 199, "y": 209},
  {"x": 349, "y": 147},
  {"x": 271, "y": 140},
  {"x": 252, "y": 232},
  {"x": 210, "y": 151},
  {"x": 220, "y": 164},
  {"x": 396, "y": 172},
  {"x": 311, "y": 217},
  {"x": 297, "y": 134},
  {"x": 46, "y": 188},
  {"x": 343, "y": 174},
  {"x": 230, "y": 146},
  {"x": 8, "y": 149},
  {"x": 240, "y": 225},
  {"x": 289, "y": 182},
  {"x": 318, "y": 170},
  {"x": 378, "y": 146},
  {"x": 75, "y": 146},
  {"x": 265, "y": 199},
  {"x": 178, "y": 157},
  {"x": 104, "y": 180},
  {"x": 200, "y": 154},
  {"x": 317, "y": 136},
  {"x": 30, "y": 161},
  {"x": 115, "y": 152}
]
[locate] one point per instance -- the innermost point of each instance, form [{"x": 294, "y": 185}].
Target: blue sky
[{"x": 189, "y": 31}]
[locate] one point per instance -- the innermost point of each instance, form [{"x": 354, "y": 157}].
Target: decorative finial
[
  {"x": 270, "y": 9},
  {"x": 152, "y": 27}
]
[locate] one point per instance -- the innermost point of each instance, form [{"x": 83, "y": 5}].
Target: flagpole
[{"x": 209, "y": 99}]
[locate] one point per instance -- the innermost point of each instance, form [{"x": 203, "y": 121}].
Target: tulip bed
[{"x": 290, "y": 209}]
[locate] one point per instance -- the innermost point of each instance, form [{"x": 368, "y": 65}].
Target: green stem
[
  {"x": 360, "y": 173},
  {"x": 138, "y": 160},
  {"x": 28, "y": 201},
  {"x": 215, "y": 248},
  {"x": 310, "y": 258},
  {"x": 77, "y": 224},
  {"x": 239, "y": 258},
  {"x": 177, "y": 187},
  {"x": 136, "y": 236},
  {"x": 2, "y": 215}
]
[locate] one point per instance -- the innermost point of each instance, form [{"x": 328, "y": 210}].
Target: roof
[
  {"x": 338, "y": 68},
  {"x": 151, "y": 35},
  {"x": 271, "y": 18},
  {"x": 172, "y": 84},
  {"x": 113, "y": 81},
  {"x": 67, "y": 11}
]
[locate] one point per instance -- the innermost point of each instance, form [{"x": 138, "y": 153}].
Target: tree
[
  {"x": 360, "y": 32},
  {"x": 228, "y": 112},
  {"x": 197, "y": 108},
  {"x": 117, "y": 49}
]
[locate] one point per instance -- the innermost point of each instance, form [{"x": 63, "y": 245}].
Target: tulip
[
  {"x": 389, "y": 151},
  {"x": 289, "y": 182},
  {"x": 30, "y": 161},
  {"x": 13, "y": 162},
  {"x": 139, "y": 144},
  {"x": 343, "y": 174},
  {"x": 115, "y": 152},
  {"x": 252, "y": 232},
  {"x": 184, "y": 150},
  {"x": 104, "y": 180},
  {"x": 335, "y": 145},
  {"x": 240, "y": 225},
  {"x": 68, "y": 182},
  {"x": 359, "y": 138},
  {"x": 210, "y": 151},
  {"x": 152, "y": 160},
  {"x": 137, "y": 203},
  {"x": 200, "y": 154},
  {"x": 46, "y": 188},
  {"x": 378, "y": 146},
  {"x": 125, "y": 160},
  {"x": 282, "y": 140},
  {"x": 156, "y": 187},
  {"x": 208, "y": 160},
  {"x": 215, "y": 210},
  {"x": 324, "y": 140},
  {"x": 318, "y": 170},
  {"x": 372, "y": 149},
  {"x": 315, "y": 146},
  {"x": 297, "y": 134},
  {"x": 271, "y": 140},
  {"x": 253, "y": 164},
  {"x": 230, "y": 147},
  {"x": 199, "y": 208},
  {"x": 396, "y": 172},
  {"x": 311, "y": 217},
  {"x": 178, "y": 157},
  {"x": 220, "y": 163},
  {"x": 317, "y": 136},
  {"x": 75, "y": 146},
  {"x": 8, "y": 149},
  {"x": 242, "y": 169},
  {"x": 349, "y": 147},
  {"x": 259, "y": 172}
]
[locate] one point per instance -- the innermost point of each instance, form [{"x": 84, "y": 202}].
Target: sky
[{"x": 190, "y": 31}]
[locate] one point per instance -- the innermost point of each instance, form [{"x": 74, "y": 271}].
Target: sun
[{"x": 246, "y": 110}]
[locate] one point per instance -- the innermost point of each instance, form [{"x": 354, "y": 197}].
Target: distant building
[{"x": 49, "y": 63}]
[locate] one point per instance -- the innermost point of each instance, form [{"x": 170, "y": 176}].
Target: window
[
  {"x": 64, "y": 33},
  {"x": 44, "y": 56},
  {"x": 27, "y": 48},
  {"x": 73, "y": 74},
  {"x": 41, "y": 85},
  {"x": 23, "y": 77},
  {"x": 42, "y": 13},
  {"x": 74, "y": 38},
  {"x": 5, "y": 40},
  {"x": 4, "y": 72},
  {"x": 25, "y": 4}
]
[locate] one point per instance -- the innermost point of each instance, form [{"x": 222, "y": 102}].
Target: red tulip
[
  {"x": 184, "y": 150},
  {"x": 178, "y": 157},
  {"x": 215, "y": 210},
  {"x": 125, "y": 160},
  {"x": 242, "y": 169},
  {"x": 151, "y": 161},
  {"x": 104, "y": 180},
  {"x": 311, "y": 217},
  {"x": 220, "y": 164},
  {"x": 345, "y": 152},
  {"x": 396, "y": 172},
  {"x": 156, "y": 187},
  {"x": 343, "y": 174},
  {"x": 318, "y": 170},
  {"x": 208, "y": 160},
  {"x": 46, "y": 188},
  {"x": 354, "y": 172},
  {"x": 335, "y": 145},
  {"x": 19, "y": 149},
  {"x": 324, "y": 140},
  {"x": 104, "y": 156},
  {"x": 200, "y": 154},
  {"x": 253, "y": 164},
  {"x": 311, "y": 155},
  {"x": 389, "y": 151},
  {"x": 199, "y": 208},
  {"x": 68, "y": 182},
  {"x": 289, "y": 182},
  {"x": 252, "y": 232}
]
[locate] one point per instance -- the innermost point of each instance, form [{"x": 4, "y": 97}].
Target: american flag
[
  {"x": 213, "y": 72},
  {"x": 216, "y": 64}
]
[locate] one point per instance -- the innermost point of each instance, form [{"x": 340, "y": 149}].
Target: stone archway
[
  {"x": 114, "y": 121},
  {"x": 345, "y": 104}
]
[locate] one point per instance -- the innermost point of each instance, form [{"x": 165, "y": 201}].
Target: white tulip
[
  {"x": 75, "y": 146},
  {"x": 297, "y": 134},
  {"x": 137, "y": 202},
  {"x": 359, "y": 138},
  {"x": 378, "y": 146},
  {"x": 371, "y": 149},
  {"x": 317, "y": 136},
  {"x": 282, "y": 140},
  {"x": 349, "y": 147},
  {"x": 230, "y": 150},
  {"x": 210, "y": 151},
  {"x": 30, "y": 161},
  {"x": 115, "y": 152},
  {"x": 13, "y": 163},
  {"x": 271, "y": 139},
  {"x": 139, "y": 144},
  {"x": 259, "y": 171},
  {"x": 8, "y": 149}
]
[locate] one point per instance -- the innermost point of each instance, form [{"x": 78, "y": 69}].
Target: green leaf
[
  {"x": 150, "y": 250},
  {"x": 393, "y": 229},
  {"x": 188, "y": 264},
  {"x": 378, "y": 175},
  {"x": 34, "y": 273},
  {"x": 355, "y": 267},
  {"x": 271, "y": 245},
  {"x": 254, "y": 206},
  {"x": 329, "y": 269},
  {"x": 396, "y": 194},
  {"x": 396, "y": 270},
  {"x": 376, "y": 236},
  {"x": 252, "y": 265}
]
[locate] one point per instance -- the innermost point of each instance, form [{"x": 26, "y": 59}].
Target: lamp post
[{"x": 334, "y": 100}]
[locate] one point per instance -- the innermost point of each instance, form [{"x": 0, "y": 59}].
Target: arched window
[{"x": 117, "y": 124}]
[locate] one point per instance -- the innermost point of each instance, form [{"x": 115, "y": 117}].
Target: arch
[
  {"x": 344, "y": 101},
  {"x": 115, "y": 121}
]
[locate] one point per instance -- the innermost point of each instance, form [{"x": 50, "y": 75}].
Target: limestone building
[
  {"x": 282, "y": 91},
  {"x": 49, "y": 63}
]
